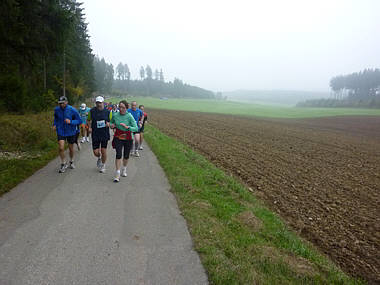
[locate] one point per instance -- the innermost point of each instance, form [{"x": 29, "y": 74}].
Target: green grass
[
  {"x": 238, "y": 239},
  {"x": 31, "y": 144},
  {"x": 247, "y": 109}
]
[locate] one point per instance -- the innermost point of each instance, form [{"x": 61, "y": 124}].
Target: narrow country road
[{"x": 81, "y": 228}]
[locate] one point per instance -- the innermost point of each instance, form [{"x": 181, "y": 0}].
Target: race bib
[{"x": 101, "y": 124}]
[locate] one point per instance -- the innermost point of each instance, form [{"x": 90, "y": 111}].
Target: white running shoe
[
  {"x": 87, "y": 139},
  {"x": 83, "y": 140},
  {"x": 103, "y": 169},
  {"x": 124, "y": 172},
  {"x": 117, "y": 177},
  {"x": 99, "y": 163},
  {"x": 137, "y": 153},
  {"x": 71, "y": 165},
  {"x": 63, "y": 167},
  {"x": 141, "y": 148}
]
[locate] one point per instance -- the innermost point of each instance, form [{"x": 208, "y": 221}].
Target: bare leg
[
  {"x": 61, "y": 150},
  {"x": 141, "y": 138},
  {"x": 97, "y": 152},
  {"x": 71, "y": 151},
  {"x": 125, "y": 162},
  {"x": 137, "y": 141},
  {"x": 118, "y": 164},
  {"x": 104, "y": 155}
]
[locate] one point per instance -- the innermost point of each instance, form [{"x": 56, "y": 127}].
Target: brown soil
[{"x": 322, "y": 176}]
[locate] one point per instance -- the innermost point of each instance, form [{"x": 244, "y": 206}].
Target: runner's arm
[
  {"x": 89, "y": 122},
  {"x": 77, "y": 119},
  {"x": 55, "y": 119}
]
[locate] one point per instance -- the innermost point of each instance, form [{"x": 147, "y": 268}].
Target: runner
[
  {"x": 66, "y": 120},
  {"x": 115, "y": 109},
  {"x": 138, "y": 116},
  {"x": 83, "y": 112},
  {"x": 124, "y": 125},
  {"x": 99, "y": 121},
  {"x": 141, "y": 107}
]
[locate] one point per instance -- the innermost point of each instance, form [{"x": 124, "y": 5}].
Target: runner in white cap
[
  {"x": 98, "y": 121},
  {"x": 83, "y": 112}
]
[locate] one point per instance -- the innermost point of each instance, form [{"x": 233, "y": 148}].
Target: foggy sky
[{"x": 229, "y": 45}]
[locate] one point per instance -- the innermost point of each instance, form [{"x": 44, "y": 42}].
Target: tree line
[
  {"x": 358, "y": 89},
  {"x": 149, "y": 83},
  {"x": 45, "y": 53}
]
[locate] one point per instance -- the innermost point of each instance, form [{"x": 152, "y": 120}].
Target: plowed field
[{"x": 322, "y": 176}]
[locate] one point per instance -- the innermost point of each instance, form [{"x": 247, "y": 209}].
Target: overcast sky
[{"x": 228, "y": 45}]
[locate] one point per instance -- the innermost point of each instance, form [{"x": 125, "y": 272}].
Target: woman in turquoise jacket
[{"x": 124, "y": 125}]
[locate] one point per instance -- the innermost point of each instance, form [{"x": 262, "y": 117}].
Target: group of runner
[{"x": 127, "y": 125}]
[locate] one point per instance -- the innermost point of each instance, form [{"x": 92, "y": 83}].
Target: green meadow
[{"x": 247, "y": 109}]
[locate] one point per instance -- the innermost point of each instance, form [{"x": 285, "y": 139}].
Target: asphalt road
[{"x": 81, "y": 228}]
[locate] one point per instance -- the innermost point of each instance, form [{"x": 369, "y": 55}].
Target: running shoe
[
  {"x": 103, "y": 169},
  {"x": 83, "y": 140},
  {"x": 63, "y": 167},
  {"x": 87, "y": 139},
  {"x": 117, "y": 178},
  {"x": 124, "y": 172},
  {"x": 99, "y": 163},
  {"x": 137, "y": 153},
  {"x": 71, "y": 165},
  {"x": 141, "y": 148}
]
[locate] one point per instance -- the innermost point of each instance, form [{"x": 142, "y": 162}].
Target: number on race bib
[{"x": 101, "y": 124}]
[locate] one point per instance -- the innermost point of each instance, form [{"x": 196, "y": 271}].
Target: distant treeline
[
  {"x": 40, "y": 42},
  {"x": 359, "y": 89},
  {"x": 149, "y": 83}
]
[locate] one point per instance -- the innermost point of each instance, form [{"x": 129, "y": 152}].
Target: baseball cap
[
  {"x": 83, "y": 106},
  {"x": 99, "y": 99},
  {"x": 62, "y": 99}
]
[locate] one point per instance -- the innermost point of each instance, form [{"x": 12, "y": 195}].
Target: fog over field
[{"x": 239, "y": 45}]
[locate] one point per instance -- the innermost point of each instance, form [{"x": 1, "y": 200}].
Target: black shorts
[
  {"x": 137, "y": 132},
  {"x": 99, "y": 143},
  {"x": 69, "y": 139},
  {"x": 120, "y": 145}
]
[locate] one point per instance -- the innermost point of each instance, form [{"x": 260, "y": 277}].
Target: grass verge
[
  {"x": 27, "y": 143},
  {"x": 239, "y": 240}
]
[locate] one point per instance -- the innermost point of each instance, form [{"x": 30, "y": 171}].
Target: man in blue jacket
[{"x": 66, "y": 120}]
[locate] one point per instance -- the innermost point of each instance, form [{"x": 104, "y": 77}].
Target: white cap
[
  {"x": 83, "y": 106},
  {"x": 99, "y": 99}
]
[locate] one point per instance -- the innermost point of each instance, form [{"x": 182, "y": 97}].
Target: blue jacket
[{"x": 60, "y": 115}]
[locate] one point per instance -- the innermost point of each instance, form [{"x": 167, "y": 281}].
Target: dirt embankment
[{"x": 322, "y": 176}]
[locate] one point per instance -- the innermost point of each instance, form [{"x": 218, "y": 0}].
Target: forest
[
  {"x": 119, "y": 82},
  {"x": 358, "y": 89},
  {"x": 45, "y": 47}
]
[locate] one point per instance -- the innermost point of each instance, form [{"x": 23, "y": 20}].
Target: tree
[
  {"x": 120, "y": 71},
  {"x": 156, "y": 75},
  {"x": 148, "y": 72},
  {"x": 161, "y": 76},
  {"x": 142, "y": 73},
  {"x": 127, "y": 73}
]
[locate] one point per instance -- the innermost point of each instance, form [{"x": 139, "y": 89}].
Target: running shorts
[
  {"x": 69, "y": 139},
  {"x": 97, "y": 143}
]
